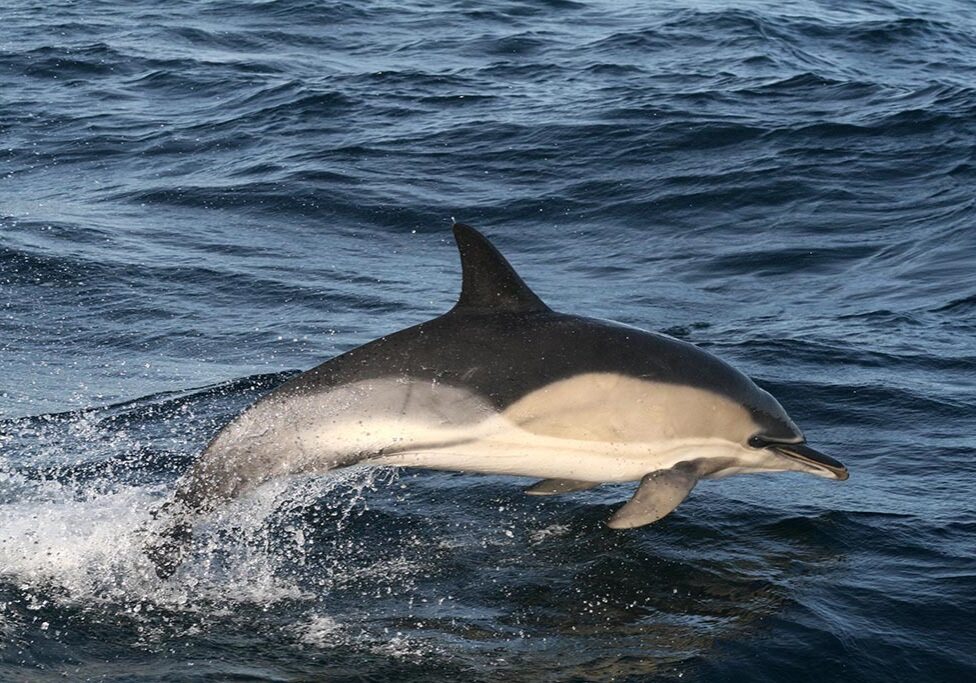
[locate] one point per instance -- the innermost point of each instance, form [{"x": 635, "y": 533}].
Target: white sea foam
[
  {"x": 82, "y": 543},
  {"x": 321, "y": 631},
  {"x": 552, "y": 531}
]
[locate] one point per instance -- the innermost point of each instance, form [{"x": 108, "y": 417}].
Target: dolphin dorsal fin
[{"x": 489, "y": 283}]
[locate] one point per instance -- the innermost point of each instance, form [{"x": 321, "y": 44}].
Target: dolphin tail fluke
[{"x": 659, "y": 493}]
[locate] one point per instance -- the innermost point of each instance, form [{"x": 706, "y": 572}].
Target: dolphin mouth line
[
  {"x": 801, "y": 452},
  {"x": 810, "y": 456}
]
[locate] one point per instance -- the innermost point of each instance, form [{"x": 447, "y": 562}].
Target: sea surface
[{"x": 200, "y": 198}]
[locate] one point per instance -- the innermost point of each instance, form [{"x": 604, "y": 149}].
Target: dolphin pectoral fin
[
  {"x": 552, "y": 487},
  {"x": 659, "y": 493}
]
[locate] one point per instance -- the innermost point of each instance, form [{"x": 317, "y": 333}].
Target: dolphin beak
[{"x": 803, "y": 453}]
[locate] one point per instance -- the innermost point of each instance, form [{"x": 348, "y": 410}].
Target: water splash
[{"x": 81, "y": 542}]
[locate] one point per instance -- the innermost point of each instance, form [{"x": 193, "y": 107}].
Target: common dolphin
[{"x": 503, "y": 384}]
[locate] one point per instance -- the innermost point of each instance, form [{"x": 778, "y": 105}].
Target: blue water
[{"x": 198, "y": 199}]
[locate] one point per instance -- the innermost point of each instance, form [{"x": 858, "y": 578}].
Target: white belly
[{"x": 505, "y": 449}]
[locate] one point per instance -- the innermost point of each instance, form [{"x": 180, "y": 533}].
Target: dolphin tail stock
[
  {"x": 169, "y": 543},
  {"x": 217, "y": 477},
  {"x": 174, "y": 520}
]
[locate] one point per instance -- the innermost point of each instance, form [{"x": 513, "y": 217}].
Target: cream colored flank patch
[{"x": 617, "y": 408}]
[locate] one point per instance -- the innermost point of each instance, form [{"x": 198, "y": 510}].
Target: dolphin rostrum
[{"x": 503, "y": 384}]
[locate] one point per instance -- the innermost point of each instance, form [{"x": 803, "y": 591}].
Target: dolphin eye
[{"x": 758, "y": 441}]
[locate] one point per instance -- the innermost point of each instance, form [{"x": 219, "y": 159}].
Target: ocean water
[{"x": 198, "y": 199}]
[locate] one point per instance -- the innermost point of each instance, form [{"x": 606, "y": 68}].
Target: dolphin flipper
[
  {"x": 552, "y": 487},
  {"x": 659, "y": 493}
]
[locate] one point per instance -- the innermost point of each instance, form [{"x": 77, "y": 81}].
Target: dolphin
[{"x": 503, "y": 384}]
